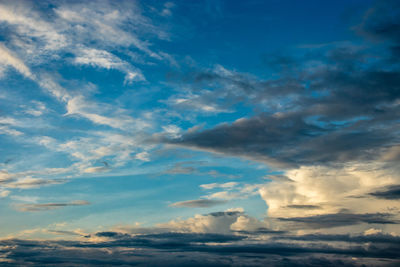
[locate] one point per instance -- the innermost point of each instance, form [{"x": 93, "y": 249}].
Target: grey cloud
[
  {"x": 198, "y": 203},
  {"x": 63, "y": 232},
  {"x": 191, "y": 250},
  {"x": 263, "y": 231},
  {"x": 390, "y": 192},
  {"x": 225, "y": 213},
  {"x": 179, "y": 168},
  {"x": 49, "y": 206},
  {"x": 340, "y": 219},
  {"x": 192, "y": 237},
  {"x": 287, "y": 140},
  {"x": 375, "y": 238},
  {"x": 378, "y": 26}
]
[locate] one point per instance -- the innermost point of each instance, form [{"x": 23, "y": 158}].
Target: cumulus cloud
[{"x": 317, "y": 190}]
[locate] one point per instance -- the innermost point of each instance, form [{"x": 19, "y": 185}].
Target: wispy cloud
[{"x": 49, "y": 206}]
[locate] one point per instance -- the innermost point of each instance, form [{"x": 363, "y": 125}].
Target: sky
[{"x": 192, "y": 133}]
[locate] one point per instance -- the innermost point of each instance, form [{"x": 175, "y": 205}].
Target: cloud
[
  {"x": 179, "y": 168},
  {"x": 216, "y": 185},
  {"x": 49, "y": 206},
  {"x": 210, "y": 223},
  {"x": 321, "y": 108},
  {"x": 8, "y": 59},
  {"x": 194, "y": 250},
  {"x": 96, "y": 169},
  {"x": 104, "y": 59},
  {"x": 198, "y": 203},
  {"x": 316, "y": 190},
  {"x": 374, "y": 238},
  {"x": 5, "y": 177},
  {"x": 287, "y": 140},
  {"x": 341, "y": 219},
  {"x": 390, "y": 192},
  {"x": 104, "y": 168},
  {"x": 4, "y": 193},
  {"x": 29, "y": 182}
]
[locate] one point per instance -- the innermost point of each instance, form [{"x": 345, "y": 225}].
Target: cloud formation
[{"x": 49, "y": 206}]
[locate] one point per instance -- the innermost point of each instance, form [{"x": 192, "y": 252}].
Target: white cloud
[
  {"x": 38, "y": 109},
  {"x": 217, "y": 185},
  {"x": 143, "y": 156},
  {"x": 104, "y": 59},
  {"x": 329, "y": 190},
  {"x": 7, "y": 130},
  {"x": 78, "y": 105},
  {"x": 96, "y": 169},
  {"x": 217, "y": 222},
  {"x": 232, "y": 190},
  {"x": 167, "y": 10},
  {"x": 27, "y": 22},
  {"x": 4, "y": 193},
  {"x": 7, "y": 58},
  {"x": 5, "y": 176},
  {"x": 29, "y": 182},
  {"x": 209, "y": 223}
]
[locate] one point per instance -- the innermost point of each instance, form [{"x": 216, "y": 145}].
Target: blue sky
[{"x": 251, "y": 120}]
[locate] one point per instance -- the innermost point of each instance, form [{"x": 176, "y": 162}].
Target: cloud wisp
[{"x": 49, "y": 206}]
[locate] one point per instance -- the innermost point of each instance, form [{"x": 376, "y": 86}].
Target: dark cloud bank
[
  {"x": 261, "y": 247},
  {"x": 192, "y": 249}
]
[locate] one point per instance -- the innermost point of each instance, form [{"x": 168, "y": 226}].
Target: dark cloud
[
  {"x": 340, "y": 219},
  {"x": 382, "y": 21},
  {"x": 198, "y": 203},
  {"x": 49, "y": 206},
  {"x": 373, "y": 238},
  {"x": 62, "y": 232},
  {"x": 194, "y": 237},
  {"x": 288, "y": 140},
  {"x": 196, "y": 252},
  {"x": 390, "y": 192},
  {"x": 225, "y": 213}
]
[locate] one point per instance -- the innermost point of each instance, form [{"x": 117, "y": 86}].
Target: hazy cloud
[{"x": 49, "y": 206}]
